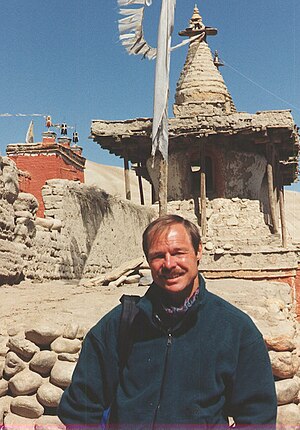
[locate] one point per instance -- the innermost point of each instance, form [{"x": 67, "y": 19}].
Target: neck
[{"x": 178, "y": 299}]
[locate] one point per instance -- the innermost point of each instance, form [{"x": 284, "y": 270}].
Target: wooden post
[
  {"x": 152, "y": 194},
  {"x": 270, "y": 179},
  {"x": 162, "y": 185},
  {"x": 282, "y": 216},
  {"x": 203, "y": 191},
  {"x": 127, "y": 177},
  {"x": 142, "y": 199}
]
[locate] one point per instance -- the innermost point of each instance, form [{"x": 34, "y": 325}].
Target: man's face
[{"x": 173, "y": 261}]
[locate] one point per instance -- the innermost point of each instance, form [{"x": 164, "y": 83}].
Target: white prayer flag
[
  {"x": 29, "y": 135},
  {"x": 161, "y": 89}
]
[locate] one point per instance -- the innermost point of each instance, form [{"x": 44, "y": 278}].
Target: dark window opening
[{"x": 209, "y": 170}]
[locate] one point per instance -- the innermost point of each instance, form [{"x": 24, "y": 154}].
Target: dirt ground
[{"x": 27, "y": 304}]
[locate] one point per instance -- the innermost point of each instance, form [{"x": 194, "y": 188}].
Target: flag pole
[{"x": 161, "y": 98}]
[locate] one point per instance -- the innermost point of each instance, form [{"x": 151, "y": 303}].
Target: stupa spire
[{"x": 201, "y": 89}]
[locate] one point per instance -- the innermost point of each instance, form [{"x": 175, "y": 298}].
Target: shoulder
[
  {"x": 233, "y": 320},
  {"x": 108, "y": 325}
]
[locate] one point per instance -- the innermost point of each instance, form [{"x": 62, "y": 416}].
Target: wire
[
  {"x": 21, "y": 114},
  {"x": 261, "y": 87}
]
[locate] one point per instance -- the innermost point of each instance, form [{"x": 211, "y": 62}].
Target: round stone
[
  {"x": 3, "y": 387},
  {"x": 47, "y": 422},
  {"x": 70, "y": 346},
  {"x": 13, "y": 364},
  {"x": 22, "y": 347},
  {"x": 43, "y": 334},
  {"x": 26, "y": 406},
  {"x": 61, "y": 374},
  {"x": 49, "y": 395},
  {"x": 25, "y": 382},
  {"x": 43, "y": 362}
]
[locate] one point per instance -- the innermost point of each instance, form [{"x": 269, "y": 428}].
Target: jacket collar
[{"x": 151, "y": 296}]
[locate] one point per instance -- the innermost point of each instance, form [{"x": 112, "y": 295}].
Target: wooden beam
[
  {"x": 203, "y": 220},
  {"x": 270, "y": 180},
  {"x": 127, "y": 177},
  {"x": 162, "y": 185}
]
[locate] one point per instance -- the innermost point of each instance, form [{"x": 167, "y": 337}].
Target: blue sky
[{"x": 63, "y": 58}]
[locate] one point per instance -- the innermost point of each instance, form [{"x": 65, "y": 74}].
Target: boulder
[
  {"x": 13, "y": 364},
  {"x": 70, "y": 331},
  {"x": 2, "y": 364},
  {"x": 64, "y": 356},
  {"x": 26, "y": 406},
  {"x": 287, "y": 390},
  {"x": 49, "y": 422},
  {"x": 43, "y": 362},
  {"x": 43, "y": 334},
  {"x": 288, "y": 416},
  {"x": 82, "y": 331},
  {"x": 284, "y": 364},
  {"x": 279, "y": 343},
  {"x": 22, "y": 347},
  {"x": 25, "y": 382},
  {"x": 62, "y": 344},
  {"x": 3, "y": 346},
  {"x": 49, "y": 395},
  {"x": 14, "y": 422},
  {"x": 61, "y": 374},
  {"x": 3, "y": 387}
]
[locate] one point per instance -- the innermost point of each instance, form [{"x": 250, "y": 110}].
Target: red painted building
[{"x": 49, "y": 159}]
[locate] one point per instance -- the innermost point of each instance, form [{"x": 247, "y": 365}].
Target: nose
[{"x": 169, "y": 262}]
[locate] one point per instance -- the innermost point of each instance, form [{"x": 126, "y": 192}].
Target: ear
[{"x": 199, "y": 253}]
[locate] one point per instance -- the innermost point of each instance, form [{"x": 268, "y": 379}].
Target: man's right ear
[{"x": 199, "y": 253}]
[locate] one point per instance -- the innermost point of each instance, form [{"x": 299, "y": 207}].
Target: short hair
[{"x": 164, "y": 223}]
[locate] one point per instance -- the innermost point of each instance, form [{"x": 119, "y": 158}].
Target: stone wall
[
  {"x": 86, "y": 231},
  {"x": 15, "y": 224},
  {"x": 36, "y": 364}
]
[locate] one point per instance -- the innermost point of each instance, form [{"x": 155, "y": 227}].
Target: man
[{"x": 195, "y": 359}]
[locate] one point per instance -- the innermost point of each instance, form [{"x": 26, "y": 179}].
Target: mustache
[{"x": 170, "y": 272}]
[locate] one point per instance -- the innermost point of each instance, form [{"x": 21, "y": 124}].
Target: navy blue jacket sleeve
[
  {"x": 253, "y": 397},
  {"x": 84, "y": 401}
]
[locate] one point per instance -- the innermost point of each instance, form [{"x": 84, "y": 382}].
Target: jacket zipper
[{"x": 169, "y": 343}]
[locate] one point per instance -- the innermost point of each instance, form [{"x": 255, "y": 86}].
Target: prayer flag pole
[{"x": 161, "y": 97}]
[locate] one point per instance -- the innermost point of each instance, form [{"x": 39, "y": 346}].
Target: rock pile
[
  {"x": 35, "y": 367},
  {"x": 272, "y": 310},
  {"x": 36, "y": 364},
  {"x": 17, "y": 211}
]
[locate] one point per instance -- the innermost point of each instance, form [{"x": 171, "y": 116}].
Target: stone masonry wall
[
  {"x": 36, "y": 364},
  {"x": 17, "y": 210}
]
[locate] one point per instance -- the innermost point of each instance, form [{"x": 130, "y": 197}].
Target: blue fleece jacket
[{"x": 212, "y": 365}]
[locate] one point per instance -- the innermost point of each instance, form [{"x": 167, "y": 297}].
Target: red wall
[{"x": 42, "y": 167}]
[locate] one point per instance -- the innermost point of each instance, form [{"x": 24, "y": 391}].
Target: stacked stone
[
  {"x": 285, "y": 359},
  {"x": 238, "y": 221},
  {"x": 25, "y": 208},
  {"x": 12, "y": 254},
  {"x": 35, "y": 367}
]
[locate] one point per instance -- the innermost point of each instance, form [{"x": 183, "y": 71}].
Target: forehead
[{"x": 174, "y": 234}]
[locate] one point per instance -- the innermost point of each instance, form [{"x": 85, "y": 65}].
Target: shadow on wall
[{"x": 91, "y": 207}]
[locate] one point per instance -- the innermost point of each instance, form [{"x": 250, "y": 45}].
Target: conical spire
[{"x": 201, "y": 89}]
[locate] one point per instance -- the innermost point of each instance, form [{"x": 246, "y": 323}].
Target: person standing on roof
[{"x": 195, "y": 360}]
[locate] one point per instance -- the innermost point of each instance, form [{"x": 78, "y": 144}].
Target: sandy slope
[
  {"x": 111, "y": 179},
  {"x": 292, "y": 209}
]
